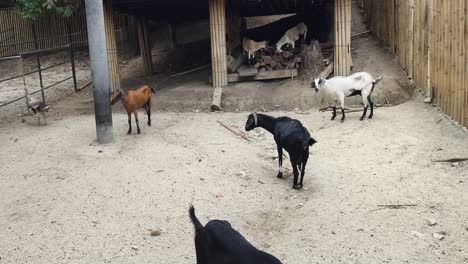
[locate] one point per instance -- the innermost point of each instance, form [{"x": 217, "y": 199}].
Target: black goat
[
  {"x": 290, "y": 135},
  {"x": 218, "y": 243}
]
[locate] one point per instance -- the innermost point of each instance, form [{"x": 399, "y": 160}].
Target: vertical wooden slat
[
  {"x": 465, "y": 68},
  {"x": 339, "y": 41},
  {"x": 410, "y": 60},
  {"x": 145, "y": 48},
  {"x": 461, "y": 62},
  {"x": 112, "y": 55},
  {"x": 430, "y": 30}
]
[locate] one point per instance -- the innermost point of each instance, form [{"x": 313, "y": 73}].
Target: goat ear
[{"x": 312, "y": 141}]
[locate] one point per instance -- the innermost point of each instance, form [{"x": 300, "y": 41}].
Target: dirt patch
[{"x": 65, "y": 199}]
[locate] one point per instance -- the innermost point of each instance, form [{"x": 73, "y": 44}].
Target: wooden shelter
[{"x": 216, "y": 11}]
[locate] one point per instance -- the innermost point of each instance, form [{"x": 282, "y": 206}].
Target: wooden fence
[
  {"x": 430, "y": 39},
  {"x": 17, "y": 34}
]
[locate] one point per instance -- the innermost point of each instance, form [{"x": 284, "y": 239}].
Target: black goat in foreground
[
  {"x": 290, "y": 135},
  {"x": 218, "y": 243}
]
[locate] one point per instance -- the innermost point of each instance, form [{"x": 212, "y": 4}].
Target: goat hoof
[
  {"x": 342, "y": 120},
  {"x": 370, "y": 117},
  {"x": 129, "y": 132},
  {"x": 361, "y": 119},
  {"x": 297, "y": 186},
  {"x": 149, "y": 124},
  {"x": 138, "y": 132},
  {"x": 333, "y": 118},
  {"x": 280, "y": 175}
]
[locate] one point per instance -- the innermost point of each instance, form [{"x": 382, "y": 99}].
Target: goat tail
[
  {"x": 376, "y": 81},
  {"x": 312, "y": 141},
  {"x": 198, "y": 226},
  {"x": 33, "y": 109}
]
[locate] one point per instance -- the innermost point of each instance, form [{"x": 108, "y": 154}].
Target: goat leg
[
  {"x": 371, "y": 106},
  {"x": 280, "y": 162},
  {"x": 129, "y": 123},
  {"x": 296, "y": 176},
  {"x": 364, "y": 113},
  {"x": 137, "y": 122},
  {"x": 342, "y": 108},
  {"x": 334, "y": 113},
  {"x": 342, "y": 114},
  {"x": 148, "y": 111},
  {"x": 304, "y": 163}
]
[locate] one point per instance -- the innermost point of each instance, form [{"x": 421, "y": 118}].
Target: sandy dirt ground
[{"x": 65, "y": 199}]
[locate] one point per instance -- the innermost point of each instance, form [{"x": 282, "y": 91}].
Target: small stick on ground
[
  {"x": 237, "y": 133},
  {"x": 452, "y": 160},
  {"x": 351, "y": 110},
  {"x": 347, "y": 110},
  {"x": 396, "y": 206}
]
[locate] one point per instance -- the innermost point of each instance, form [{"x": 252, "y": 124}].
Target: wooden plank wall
[
  {"x": 51, "y": 30},
  {"x": 430, "y": 39}
]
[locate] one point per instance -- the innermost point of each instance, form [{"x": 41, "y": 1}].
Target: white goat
[
  {"x": 251, "y": 46},
  {"x": 292, "y": 35},
  {"x": 339, "y": 87}
]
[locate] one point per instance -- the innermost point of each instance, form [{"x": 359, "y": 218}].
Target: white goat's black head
[
  {"x": 252, "y": 122},
  {"x": 317, "y": 82}
]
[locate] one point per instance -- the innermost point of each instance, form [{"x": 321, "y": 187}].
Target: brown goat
[{"x": 133, "y": 101}]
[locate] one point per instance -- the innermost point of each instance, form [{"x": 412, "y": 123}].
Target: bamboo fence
[
  {"x": 430, "y": 39},
  {"x": 16, "y": 33}
]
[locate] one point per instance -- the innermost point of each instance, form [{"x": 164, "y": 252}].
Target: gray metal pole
[{"x": 99, "y": 70}]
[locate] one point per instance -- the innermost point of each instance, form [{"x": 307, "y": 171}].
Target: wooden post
[
  {"x": 72, "y": 57},
  {"x": 38, "y": 60},
  {"x": 430, "y": 33},
  {"x": 112, "y": 52},
  {"x": 218, "y": 49},
  {"x": 172, "y": 35},
  {"x": 145, "y": 45},
  {"x": 461, "y": 61},
  {"x": 100, "y": 70},
  {"x": 411, "y": 39},
  {"x": 465, "y": 67},
  {"x": 342, "y": 31}
]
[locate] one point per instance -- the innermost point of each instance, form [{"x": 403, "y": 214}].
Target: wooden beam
[
  {"x": 217, "y": 10},
  {"x": 218, "y": 42},
  {"x": 342, "y": 32},
  {"x": 327, "y": 71},
  {"x": 145, "y": 45},
  {"x": 112, "y": 52},
  {"x": 216, "y": 105},
  {"x": 278, "y": 74},
  {"x": 411, "y": 40}
]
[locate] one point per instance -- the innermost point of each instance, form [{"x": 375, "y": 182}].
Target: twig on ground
[
  {"x": 237, "y": 133},
  {"x": 396, "y": 206},
  {"x": 452, "y": 160}
]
